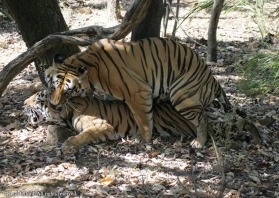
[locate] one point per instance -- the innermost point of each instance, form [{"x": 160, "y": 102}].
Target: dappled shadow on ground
[{"x": 125, "y": 168}]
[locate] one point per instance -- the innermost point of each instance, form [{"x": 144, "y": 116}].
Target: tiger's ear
[
  {"x": 58, "y": 58},
  {"x": 29, "y": 101}
]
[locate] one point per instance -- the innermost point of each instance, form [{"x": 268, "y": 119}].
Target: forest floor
[{"x": 167, "y": 167}]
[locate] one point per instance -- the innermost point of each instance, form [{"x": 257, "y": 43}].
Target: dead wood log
[{"x": 133, "y": 17}]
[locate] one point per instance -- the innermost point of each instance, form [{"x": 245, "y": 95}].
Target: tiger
[
  {"x": 140, "y": 74},
  {"x": 96, "y": 120}
]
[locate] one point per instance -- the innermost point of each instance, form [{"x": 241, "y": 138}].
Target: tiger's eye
[
  {"x": 58, "y": 58},
  {"x": 81, "y": 70}
]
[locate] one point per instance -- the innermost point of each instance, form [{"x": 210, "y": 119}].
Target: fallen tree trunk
[{"x": 132, "y": 18}]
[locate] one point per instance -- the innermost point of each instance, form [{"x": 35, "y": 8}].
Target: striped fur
[
  {"x": 141, "y": 73},
  {"x": 97, "y": 121}
]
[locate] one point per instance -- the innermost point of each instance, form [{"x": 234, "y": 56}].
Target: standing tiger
[{"x": 140, "y": 73}]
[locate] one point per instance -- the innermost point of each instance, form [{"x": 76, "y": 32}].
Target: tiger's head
[
  {"x": 66, "y": 79},
  {"x": 39, "y": 109}
]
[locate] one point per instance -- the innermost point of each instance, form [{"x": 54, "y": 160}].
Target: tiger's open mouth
[{"x": 34, "y": 116}]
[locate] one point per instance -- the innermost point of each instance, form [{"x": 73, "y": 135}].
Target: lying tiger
[
  {"x": 97, "y": 121},
  {"x": 141, "y": 73}
]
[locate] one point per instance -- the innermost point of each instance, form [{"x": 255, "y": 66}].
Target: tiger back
[{"x": 140, "y": 73}]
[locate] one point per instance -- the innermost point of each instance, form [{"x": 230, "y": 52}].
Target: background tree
[
  {"x": 36, "y": 19},
  {"x": 151, "y": 25},
  {"x": 212, "y": 30}
]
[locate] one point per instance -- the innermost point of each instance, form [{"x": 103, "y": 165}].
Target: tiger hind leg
[
  {"x": 192, "y": 110},
  {"x": 196, "y": 116},
  {"x": 202, "y": 134}
]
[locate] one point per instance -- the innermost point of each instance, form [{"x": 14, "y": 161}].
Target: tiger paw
[
  {"x": 142, "y": 138},
  {"x": 146, "y": 137},
  {"x": 197, "y": 144},
  {"x": 70, "y": 146}
]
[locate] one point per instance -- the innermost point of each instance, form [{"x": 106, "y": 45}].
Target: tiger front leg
[
  {"x": 98, "y": 132},
  {"x": 141, "y": 108}
]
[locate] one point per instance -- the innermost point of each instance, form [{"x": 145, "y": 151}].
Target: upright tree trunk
[
  {"x": 151, "y": 25},
  {"x": 37, "y": 19},
  {"x": 212, "y": 29}
]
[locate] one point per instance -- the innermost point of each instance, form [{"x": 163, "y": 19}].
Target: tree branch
[{"x": 132, "y": 17}]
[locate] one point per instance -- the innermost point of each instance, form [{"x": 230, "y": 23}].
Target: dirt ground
[{"x": 167, "y": 167}]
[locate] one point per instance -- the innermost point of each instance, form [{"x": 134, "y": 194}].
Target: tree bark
[
  {"x": 212, "y": 30},
  {"x": 151, "y": 25},
  {"x": 36, "y": 19}
]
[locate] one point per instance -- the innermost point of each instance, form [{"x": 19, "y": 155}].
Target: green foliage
[{"x": 261, "y": 74}]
